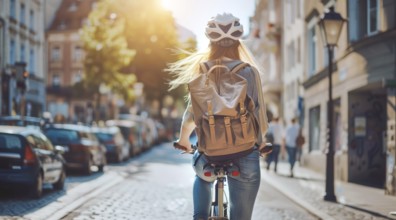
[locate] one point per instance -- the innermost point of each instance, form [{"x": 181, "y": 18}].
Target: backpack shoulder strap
[
  {"x": 203, "y": 67},
  {"x": 239, "y": 67}
]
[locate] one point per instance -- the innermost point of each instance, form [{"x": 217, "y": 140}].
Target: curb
[
  {"x": 292, "y": 196},
  {"x": 75, "y": 198}
]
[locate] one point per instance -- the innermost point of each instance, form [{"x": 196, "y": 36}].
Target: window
[
  {"x": 298, "y": 50},
  {"x": 22, "y": 14},
  {"x": 311, "y": 51},
  {"x": 12, "y": 52},
  {"x": 288, "y": 12},
  {"x": 73, "y": 7},
  {"x": 31, "y": 20},
  {"x": 363, "y": 18},
  {"x": 55, "y": 53},
  {"x": 291, "y": 55},
  {"x": 77, "y": 77},
  {"x": 22, "y": 55},
  {"x": 298, "y": 8},
  {"x": 12, "y": 9},
  {"x": 56, "y": 80},
  {"x": 293, "y": 10},
  {"x": 314, "y": 128},
  {"x": 31, "y": 61},
  {"x": 94, "y": 5},
  {"x": 78, "y": 53},
  {"x": 372, "y": 18},
  {"x": 46, "y": 143}
]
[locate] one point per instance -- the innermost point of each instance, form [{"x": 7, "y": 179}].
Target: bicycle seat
[{"x": 222, "y": 167}]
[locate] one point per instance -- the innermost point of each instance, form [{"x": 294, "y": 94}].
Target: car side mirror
[{"x": 60, "y": 149}]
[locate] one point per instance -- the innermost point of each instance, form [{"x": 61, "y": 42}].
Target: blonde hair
[{"x": 187, "y": 69}]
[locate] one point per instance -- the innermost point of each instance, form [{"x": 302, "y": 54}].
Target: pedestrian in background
[
  {"x": 277, "y": 131},
  {"x": 300, "y": 141},
  {"x": 291, "y": 135}
]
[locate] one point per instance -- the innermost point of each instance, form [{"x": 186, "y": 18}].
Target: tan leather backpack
[{"x": 223, "y": 112}]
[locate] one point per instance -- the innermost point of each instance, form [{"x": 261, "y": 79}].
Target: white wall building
[
  {"x": 22, "y": 41},
  {"x": 292, "y": 59}
]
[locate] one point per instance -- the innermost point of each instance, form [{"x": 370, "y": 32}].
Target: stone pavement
[
  {"x": 308, "y": 187},
  {"x": 160, "y": 187}
]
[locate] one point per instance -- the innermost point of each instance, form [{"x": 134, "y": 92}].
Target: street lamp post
[{"x": 331, "y": 25}]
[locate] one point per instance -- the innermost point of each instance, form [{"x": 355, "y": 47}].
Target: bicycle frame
[
  {"x": 219, "y": 196},
  {"x": 219, "y": 207}
]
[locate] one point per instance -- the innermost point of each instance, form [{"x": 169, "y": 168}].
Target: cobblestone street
[
  {"x": 160, "y": 188},
  {"x": 158, "y": 185}
]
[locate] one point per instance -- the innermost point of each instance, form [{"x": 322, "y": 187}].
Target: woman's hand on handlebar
[{"x": 186, "y": 148}]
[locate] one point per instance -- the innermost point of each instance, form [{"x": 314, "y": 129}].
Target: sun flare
[{"x": 167, "y": 4}]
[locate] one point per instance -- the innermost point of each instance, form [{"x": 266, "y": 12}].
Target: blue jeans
[
  {"x": 292, "y": 152},
  {"x": 242, "y": 189},
  {"x": 273, "y": 156}
]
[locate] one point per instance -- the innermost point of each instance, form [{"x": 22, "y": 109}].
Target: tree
[
  {"x": 106, "y": 52},
  {"x": 151, "y": 32},
  {"x": 126, "y": 37}
]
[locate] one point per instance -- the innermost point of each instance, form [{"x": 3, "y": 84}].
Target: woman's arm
[
  {"x": 262, "y": 114},
  {"x": 187, "y": 127}
]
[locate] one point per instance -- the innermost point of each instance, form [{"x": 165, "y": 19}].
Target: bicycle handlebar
[
  {"x": 263, "y": 151},
  {"x": 184, "y": 148}
]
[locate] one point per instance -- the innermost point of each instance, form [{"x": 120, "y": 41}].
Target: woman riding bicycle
[{"x": 224, "y": 32}]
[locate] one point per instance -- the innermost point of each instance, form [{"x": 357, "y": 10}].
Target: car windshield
[
  {"x": 59, "y": 136},
  {"x": 104, "y": 136},
  {"x": 10, "y": 143}
]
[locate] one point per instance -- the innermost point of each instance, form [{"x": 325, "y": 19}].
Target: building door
[{"x": 366, "y": 138}]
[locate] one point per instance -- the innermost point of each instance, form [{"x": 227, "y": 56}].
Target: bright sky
[{"x": 194, "y": 14}]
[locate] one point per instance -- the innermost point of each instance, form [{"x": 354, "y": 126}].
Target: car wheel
[
  {"x": 60, "y": 184},
  {"x": 101, "y": 166},
  {"x": 37, "y": 188},
  {"x": 119, "y": 157},
  {"x": 87, "y": 168}
]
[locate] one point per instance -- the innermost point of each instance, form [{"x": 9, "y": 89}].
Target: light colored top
[
  {"x": 278, "y": 131},
  {"x": 291, "y": 135}
]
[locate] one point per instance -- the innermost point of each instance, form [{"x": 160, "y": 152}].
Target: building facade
[
  {"x": 364, "y": 86},
  {"x": 292, "y": 60},
  {"x": 22, "y": 46},
  {"x": 66, "y": 61},
  {"x": 265, "y": 43}
]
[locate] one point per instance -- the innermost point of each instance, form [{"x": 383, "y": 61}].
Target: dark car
[
  {"x": 29, "y": 160},
  {"x": 145, "y": 129},
  {"x": 117, "y": 148},
  {"x": 17, "y": 120},
  {"x": 131, "y": 132},
  {"x": 82, "y": 149}
]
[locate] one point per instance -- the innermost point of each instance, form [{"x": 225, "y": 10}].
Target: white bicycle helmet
[{"x": 224, "y": 30}]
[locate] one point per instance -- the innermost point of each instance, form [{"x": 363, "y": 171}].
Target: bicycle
[{"x": 219, "y": 207}]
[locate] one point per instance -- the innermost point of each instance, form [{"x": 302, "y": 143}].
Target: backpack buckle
[
  {"x": 243, "y": 119},
  {"x": 227, "y": 121},
  {"x": 211, "y": 120}
]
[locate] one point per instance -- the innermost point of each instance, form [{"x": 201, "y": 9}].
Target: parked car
[
  {"x": 82, "y": 148},
  {"x": 131, "y": 132},
  {"x": 29, "y": 160},
  {"x": 117, "y": 148},
  {"x": 17, "y": 120},
  {"x": 162, "y": 134},
  {"x": 145, "y": 128}
]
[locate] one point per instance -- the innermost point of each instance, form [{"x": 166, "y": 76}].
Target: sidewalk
[{"x": 307, "y": 188}]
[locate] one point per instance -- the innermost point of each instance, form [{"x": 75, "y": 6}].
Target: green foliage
[
  {"x": 131, "y": 36},
  {"x": 151, "y": 31},
  {"x": 106, "y": 51}
]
